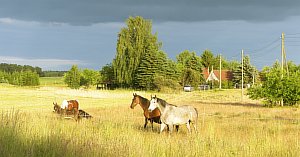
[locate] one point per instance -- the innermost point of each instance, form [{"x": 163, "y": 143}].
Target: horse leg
[
  {"x": 188, "y": 126},
  {"x": 171, "y": 126},
  {"x": 162, "y": 126},
  {"x": 146, "y": 121},
  {"x": 177, "y": 127},
  {"x": 76, "y": 114},
  {"x": 151, "y": 123},
  {"x": 195, "y": 127}
]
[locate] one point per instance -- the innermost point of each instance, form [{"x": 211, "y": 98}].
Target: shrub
[{"x": 274, "y": 88}]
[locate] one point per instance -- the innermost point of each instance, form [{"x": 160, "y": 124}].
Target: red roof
[{"x": 226, "y": 74}]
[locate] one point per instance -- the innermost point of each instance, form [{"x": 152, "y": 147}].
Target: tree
[
  {"x": 190, "y": 68},
  {"x": 146, "y": 70},
  {"x": 107, "y": 74},
  {"x": 134, "y": 42},
  {"x": 275, "y": 88},
  {"x": 208, "y": 60},
  {"x": 89, "y": 77},
  {"x": 249, "y": 72},
  {"x": 72, "y": 77}
]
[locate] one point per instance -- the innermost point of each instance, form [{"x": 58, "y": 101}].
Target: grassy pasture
[
  {"x": 226, "y": 127},
  {"x": 52, "y": 81}
]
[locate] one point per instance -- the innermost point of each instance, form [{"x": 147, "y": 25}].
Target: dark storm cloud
[{"x": 85, "y": 12}]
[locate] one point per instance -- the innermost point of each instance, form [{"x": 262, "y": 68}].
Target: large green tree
[
  {"x": 134, "y": 42},
  {"x": 208, "y": 59},
  {"x": 72, "y": 77},
  {"x": 190, "y": 67}
]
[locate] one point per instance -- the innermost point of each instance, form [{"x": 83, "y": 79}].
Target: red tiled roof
[{"x": 226, "y": 74}]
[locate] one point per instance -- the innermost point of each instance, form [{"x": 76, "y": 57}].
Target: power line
[
  {"x": 266, "y": 52},
  {"x": 293, "y": 34},
  {"x": 264, "y": 47},
  {"x": 292, "y": 37}
]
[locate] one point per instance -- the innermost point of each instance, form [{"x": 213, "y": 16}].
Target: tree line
[
  {"x": 19, "y": 75},
  {"x": 140, "y": 63}
]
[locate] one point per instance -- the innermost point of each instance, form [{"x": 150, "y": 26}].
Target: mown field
[{"x": 226, "y": 127}]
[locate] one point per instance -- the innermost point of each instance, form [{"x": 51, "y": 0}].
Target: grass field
[{"x": 226, "y": 127}]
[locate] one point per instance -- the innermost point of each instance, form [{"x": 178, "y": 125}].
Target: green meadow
[{"x": 226, "y": 126}]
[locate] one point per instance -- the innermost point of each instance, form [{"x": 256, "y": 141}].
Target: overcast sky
[{"x": 55, "y": 34}]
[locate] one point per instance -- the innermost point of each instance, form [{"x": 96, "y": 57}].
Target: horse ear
[{"x": 155, "y": 96}]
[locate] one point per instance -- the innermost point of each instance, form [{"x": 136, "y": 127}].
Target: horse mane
[
  {"x": 164, "y": 103},
  {"x": 144, "y": 100}
]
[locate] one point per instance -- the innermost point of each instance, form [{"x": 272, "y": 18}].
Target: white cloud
[
  {"x": 6, "y": 20},
  {"x": 45, "y": 64}
]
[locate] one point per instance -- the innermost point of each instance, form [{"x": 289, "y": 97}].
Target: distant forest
[{"x": 10, "y": 68}]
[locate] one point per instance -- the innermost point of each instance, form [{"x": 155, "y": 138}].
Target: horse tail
[
  {"x": 196, "y": 111},
  {"x": 195, "y": 117}
]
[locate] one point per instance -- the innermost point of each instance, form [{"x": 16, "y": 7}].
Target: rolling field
[{"x": 226, "y": 127}]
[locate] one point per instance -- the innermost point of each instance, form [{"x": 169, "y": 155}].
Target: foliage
[
  {"x": 139, "y": 57},
  {"x": 72, "y": 77},
  {"x": 164, "y": 84},
  {"x": 190, "y": 67},
  {"x": 191, "y": 77},
  {"x": 227, "y": 84},
  {"x": 146, "y": 70},
  {"x": 89, "y": 77},
  {"x": 10, "y": 68},
  {"x": 53, "y": 73},
  {"x": 208, "y": 60},
  {"x": 249, "y": 72},
  {"x": 155, "y": 63},
  {"x": 275, "y": 88},
  {"x": 22, "y": 78},
  {"x": 133, "y": 43},
  {"x": 107, "y": 74},
  {"x": 230, "y": 65}
]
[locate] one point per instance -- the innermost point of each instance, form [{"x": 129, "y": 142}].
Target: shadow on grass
[{"x": 232, "y": 104}]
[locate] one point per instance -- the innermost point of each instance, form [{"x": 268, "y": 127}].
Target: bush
[
  {"x": 163, "y": 84},
  {"x": 274, "y": 89}
]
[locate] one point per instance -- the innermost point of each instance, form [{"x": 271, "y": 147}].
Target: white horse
[{"x": 173, "y": 115}]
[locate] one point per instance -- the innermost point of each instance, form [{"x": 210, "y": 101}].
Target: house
[{"x": 226, "y": 75}]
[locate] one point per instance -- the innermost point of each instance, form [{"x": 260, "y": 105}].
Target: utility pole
[
  {"x": 220, "y": 78},
  {"x": 253, "y": 77},
  {"x": 242, "y": 75},
  {"x": 282, "y": 53},
  {"x": 282, "y": 61}
]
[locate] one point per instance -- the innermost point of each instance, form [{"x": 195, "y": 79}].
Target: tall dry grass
[{"x": 226, "y": 127}]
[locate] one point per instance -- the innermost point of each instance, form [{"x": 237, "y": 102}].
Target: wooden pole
[
  {"x": 242, "y": 75},
  {"x": 220, "y": 74},
  {"x": 282, "y": 60}
]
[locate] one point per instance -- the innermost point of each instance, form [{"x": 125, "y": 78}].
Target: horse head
[
  {"x": 56, "y": 107},
  {"x": 153, "y": 103},
  {"x": 135, "y": 101}
]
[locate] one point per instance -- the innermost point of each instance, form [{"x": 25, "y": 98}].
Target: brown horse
[
  {"x": 153, "y": 116},
  {"x": 69, "y": 107}
]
